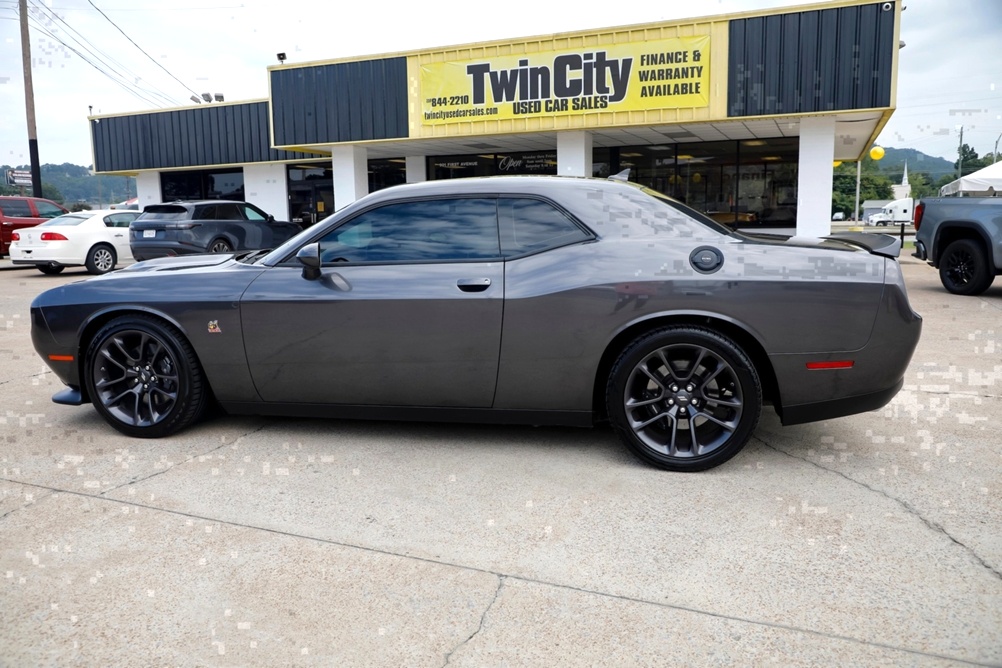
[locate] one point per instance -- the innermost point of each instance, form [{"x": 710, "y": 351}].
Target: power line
[
  {"x": 103, "y": 58},
  {"x": 140, "y": 48},
  {"x": 41, "y": 28}
]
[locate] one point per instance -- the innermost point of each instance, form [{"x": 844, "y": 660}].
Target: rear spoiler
[{"x": 878, "y": 244}]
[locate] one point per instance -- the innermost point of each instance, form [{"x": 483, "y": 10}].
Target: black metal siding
[
  {"x": 341, "y": 102},
  {"x": 204, "y": 135},
  {"x": 824, "y": 60}
]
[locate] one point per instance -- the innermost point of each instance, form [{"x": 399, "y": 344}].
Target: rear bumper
[
  {"x": 152, "y": 250},
  {"x": 836, "y": 408},
  {"x": 877, "y": 371}
]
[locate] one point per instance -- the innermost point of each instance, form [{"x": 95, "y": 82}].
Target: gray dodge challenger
[{"x": 537, "y": 300}]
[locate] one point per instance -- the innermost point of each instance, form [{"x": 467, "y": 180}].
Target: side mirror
[
  {"x": 270, "y": 218},
  {"x": 309, "y": 257}
]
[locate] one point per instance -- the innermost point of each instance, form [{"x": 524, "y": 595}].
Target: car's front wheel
[
  {"x": 964, "y": 270},
  {"x": 144, "y": 377},
  {"x": 100, "y": 259},
  {"x": 684, "y": 398}
]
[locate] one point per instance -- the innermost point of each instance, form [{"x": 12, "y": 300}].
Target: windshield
[{"x": 164, "y": 212}]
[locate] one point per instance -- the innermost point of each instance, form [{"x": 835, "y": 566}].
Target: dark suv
[
  {"x": 211, "y": 226},
  {"x": 19, "y": 212}
]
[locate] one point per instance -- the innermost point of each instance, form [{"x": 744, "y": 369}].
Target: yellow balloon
[
  {"x": 876, "y": 153},
  {"x": 836, "y": 163}
]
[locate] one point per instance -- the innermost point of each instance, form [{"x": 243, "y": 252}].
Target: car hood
[{"x": 179, "y": 263}]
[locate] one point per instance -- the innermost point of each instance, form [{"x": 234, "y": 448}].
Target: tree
[
  {"x": 872, "y": 185},
  {"x": 971, "y": 161}
]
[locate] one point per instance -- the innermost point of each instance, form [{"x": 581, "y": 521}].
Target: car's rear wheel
[
  {"x": 684, "y": 398},
  {"x": 50, "y": 269},
  {"x": 963, "y": 268},
  {"x": 144, "y": 377},
  {"x": 220, "y": 246},
  {"x": 100, "y": 259}
]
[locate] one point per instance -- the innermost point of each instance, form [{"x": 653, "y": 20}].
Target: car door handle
[{"x": 473, "y": 284}]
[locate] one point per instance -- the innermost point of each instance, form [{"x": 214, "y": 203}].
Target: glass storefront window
[
  {"x": 492, "y": 164},
  {"x": 386, "y": 173},
  {"x": 736, "y": 182},
  {"x": 203, "y": 184}
]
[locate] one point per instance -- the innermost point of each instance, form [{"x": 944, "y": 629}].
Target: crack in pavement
[
  {"x": 22, "y": 507},
  {"x": 190, "y": 459},
  {"x": 521, "y": 578},
  {"x": 904, "y": 504},
  {"x": 949, "y": 393},
  {"x": 483, "y": 618},
  {"x": 34, "y": 375}
]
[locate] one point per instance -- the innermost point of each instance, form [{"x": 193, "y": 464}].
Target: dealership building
[{"x": 738, "y": 115}]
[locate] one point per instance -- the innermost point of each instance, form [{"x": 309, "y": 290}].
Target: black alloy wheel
[
  {"x": 143, "y": 377},
  {"x": 684, "y": 398},
  {"x": 220, "y": 246},
  {"x": 964, "y": 270},
  {"x": 100, "y": 259}
]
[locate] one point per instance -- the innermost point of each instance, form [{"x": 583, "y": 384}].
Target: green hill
[{"x": 73, "y": 184}]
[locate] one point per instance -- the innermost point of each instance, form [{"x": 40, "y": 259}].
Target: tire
[
  {"x": 220, "y": 246},
  {"x": 50, "y": 269},
  {"x": 101, "y": 259},
  {"x": 144, "y": 378},
  {"x": 684, "y": 398},
  {"x": 963, "y": 268}
]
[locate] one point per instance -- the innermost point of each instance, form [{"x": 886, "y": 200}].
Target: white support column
[
  {"x": 417, "y": 168},
  {"x": 814, "y": 176},
  {"x": 148, "y": 189},
  {"x": 351, "y": 174},
  {"x": 266, "y": 187},
  {"x": 574, "y": 153}
]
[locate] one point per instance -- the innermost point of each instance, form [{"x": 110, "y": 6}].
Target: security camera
[
  {"x": 281, "y": 57},
  {"x": 887, "y": 6}
]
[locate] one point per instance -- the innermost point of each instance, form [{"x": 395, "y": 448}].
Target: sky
[{"x": 115, "y": 56}]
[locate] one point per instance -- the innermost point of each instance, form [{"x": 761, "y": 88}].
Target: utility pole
[
  {"x": 995, "y": 153},
  {"x": 29, "y": 101},
  {"x": 960, "y": 154}
]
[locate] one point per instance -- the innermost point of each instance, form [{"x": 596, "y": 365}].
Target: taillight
[
  {"x": 14, "y": 236},
  {"x": 52, "y": 236},
  {"x": 917, "y": 216}
]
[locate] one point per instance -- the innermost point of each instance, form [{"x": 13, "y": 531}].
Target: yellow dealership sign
[{"x": 633, "y": 76}]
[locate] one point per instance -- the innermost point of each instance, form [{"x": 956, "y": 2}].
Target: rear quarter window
[{"x": 532, "y": 225}]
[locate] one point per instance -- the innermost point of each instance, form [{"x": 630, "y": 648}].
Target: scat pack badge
[{"x": 214, "y": 327}]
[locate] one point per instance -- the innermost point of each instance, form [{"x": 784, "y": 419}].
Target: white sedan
[{"x": 95, "y": 239}]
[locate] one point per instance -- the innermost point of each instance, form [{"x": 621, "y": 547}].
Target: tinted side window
[
  {"x": 205, "y": 213},
  {"x": 16, "y": 207},
  {"x": 46, "y": 210},
  {"x": 228, "y": 212},
  {"x": 119, "y": 219},
  {"x": 429, "y": 231},
  {"x": 529, "y": 225}
]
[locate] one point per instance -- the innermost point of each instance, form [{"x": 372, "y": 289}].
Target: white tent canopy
[{"x": 982, "y": 183}]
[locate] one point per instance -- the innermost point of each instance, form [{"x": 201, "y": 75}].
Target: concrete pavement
[{"x": 870, "y": 540}]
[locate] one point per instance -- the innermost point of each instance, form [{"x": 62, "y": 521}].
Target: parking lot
[{"x": 869, "y": 540}]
